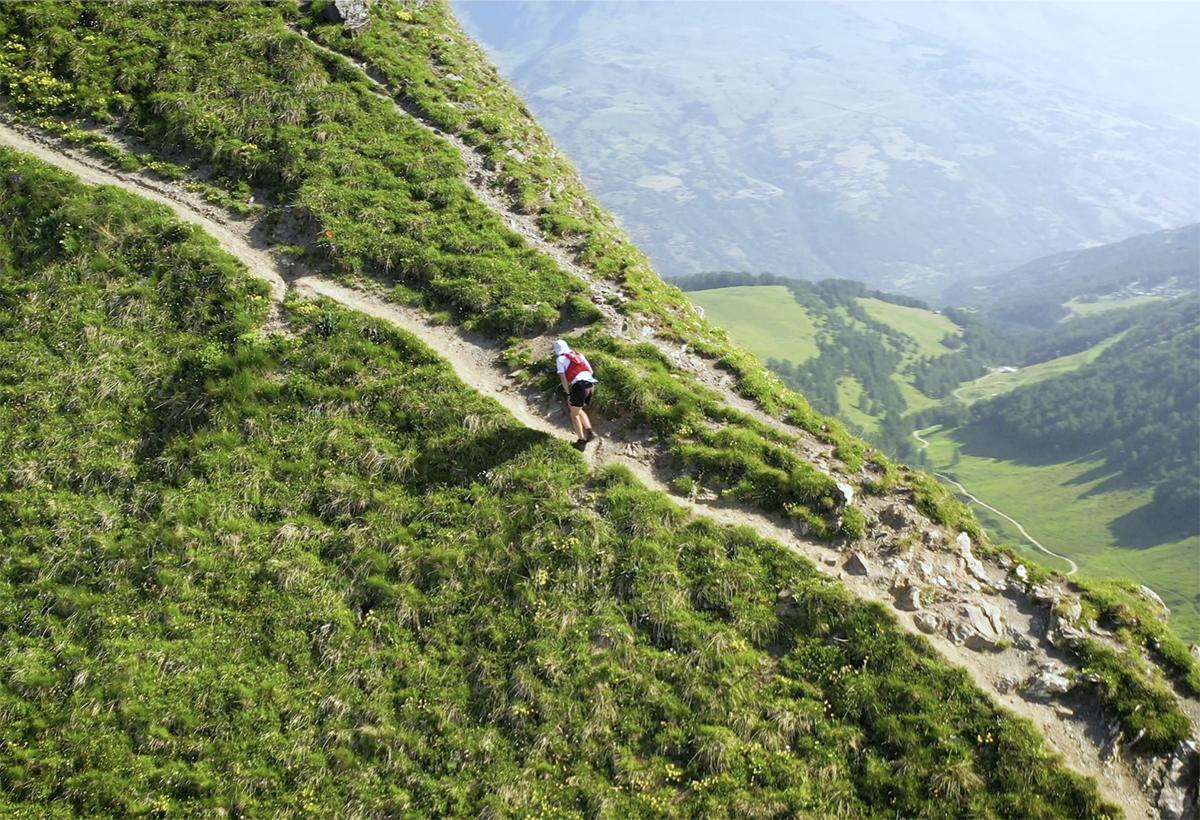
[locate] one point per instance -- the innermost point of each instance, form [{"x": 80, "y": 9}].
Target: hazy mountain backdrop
[{"x": 881, "y": 142}]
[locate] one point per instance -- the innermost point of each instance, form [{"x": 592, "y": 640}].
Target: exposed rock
[
  {"x": 963, "y": 541},
  {"x": 1061, "y": 631},
  {"x": 1007, "y": 682},
  {"x": 924, "y": 568},
  {"x": 785, "y": 604},
  {"x": 1046, "y": 684},
  {"x": 1195, "y": 650},
  {"x": 932, "y": 537},
  {"x": 908, "y": 598},
  {"x": 896, "y": 517},
  {"x": 940, "y": 581},
  {"x": 1177, "y": 796},
  {"x": 857, "y": 564},
  {"x": 352, "y": 14},
  {"x": 830, "y": 560},
  {"x": 1073, "y": 610},
  {"x": 898, "y": 564},
  {"x": 975, "y": 570},
  {"x": 1018, "y": 637},
  {"x": 1152, "y": 596},
  {"x": 1045, "y": 595},
  {"x": 975, "y": 629},
  {"x": 928, "y": 622},
  {"x": 1004, "y": 561},
  {"x": 994, "y": 616},
  {"x": 845, "y": 493},
  {"x": 1021, "y": 573}
]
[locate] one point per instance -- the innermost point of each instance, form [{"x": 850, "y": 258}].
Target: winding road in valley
[{"x": 976, "y": 500}]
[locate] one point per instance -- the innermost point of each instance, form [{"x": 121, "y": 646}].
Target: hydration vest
[{"x": 576, "y": 365}]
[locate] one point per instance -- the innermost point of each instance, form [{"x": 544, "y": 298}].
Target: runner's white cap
[{"x": 561, "y": 347}]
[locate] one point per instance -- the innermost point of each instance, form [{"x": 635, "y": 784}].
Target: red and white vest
[{"x": 576, "y": 366}]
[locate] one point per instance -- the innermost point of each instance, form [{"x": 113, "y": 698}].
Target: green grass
[
  {"x": 1056, "y": 504},
  {"x": 1105, "y": 304},
  {"x": 996, "y": 383},
  {"x": 849, "y": 394},
  {"x": 765, "y": 320},
  {"x": 924, "y": 327},
  {"x": 309, "y": 572}
]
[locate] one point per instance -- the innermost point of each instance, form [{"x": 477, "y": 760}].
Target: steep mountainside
[
  {"x": 264, "y": 554},
  {"x": 815, "y": 140}
]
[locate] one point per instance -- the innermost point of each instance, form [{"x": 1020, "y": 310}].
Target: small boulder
[
  {"x": 352, "y": 14},
  {"x": 1021, "y": 573},
  {"x": 1006, "y": 683},
  {"x": 928, "y": 622},
  {"x": 785, "y": 604},
  {"x": 1047, "y": 684},
  {"x": 925, "y": 568},
  {"x": 963, "y": 542},
  {"x": 974, "y": 628},
  {"x": 908, "y": 598},
  {"x": 932, "y": 538},
  {"x": 895, "y": 516},
  {"x": 994, "y": 616},
  {"x": 857, "y": 564},
  {"x": 845, "y": 494}
]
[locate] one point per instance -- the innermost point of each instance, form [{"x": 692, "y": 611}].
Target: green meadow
[
  {"x": 924, "y": 327},
  {"x": 996, "y": 382},
  {"x": 766, "y": 320}
]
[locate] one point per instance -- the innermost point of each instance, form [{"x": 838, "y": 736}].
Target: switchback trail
[
  {"x": 976, "y": 500},
  {"x": 477, "y": 362}
]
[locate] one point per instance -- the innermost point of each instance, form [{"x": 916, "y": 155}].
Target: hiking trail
[{"x": 478, "y": 363}]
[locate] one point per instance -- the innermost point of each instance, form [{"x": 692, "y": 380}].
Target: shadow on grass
[
  {"x": 979, "y": 441},
  {"x": 1149, "y": 526}
]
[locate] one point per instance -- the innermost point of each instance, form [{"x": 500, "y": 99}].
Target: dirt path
[{"x": 478, "y": 363}]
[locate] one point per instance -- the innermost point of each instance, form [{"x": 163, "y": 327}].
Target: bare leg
[
  {"x": 577, "y": 417},
  {"x": 586, "y": 422}
]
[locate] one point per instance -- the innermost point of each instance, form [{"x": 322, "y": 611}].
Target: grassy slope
[
  {"x": 996, "y": 383},
  {"x": 767, "y": 320},
  {"x": 246, "y": 573},
  {"x": 242, "y": 93},
  {"x": 1058, "y": 504},
  {"x": 1105, "y": 304},
  {"x": 924, "y": 327}
]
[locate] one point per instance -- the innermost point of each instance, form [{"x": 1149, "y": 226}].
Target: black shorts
[{"x": 581, "y": 393}]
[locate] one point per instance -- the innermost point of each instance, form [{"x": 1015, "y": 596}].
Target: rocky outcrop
[
  {"x": 1174, "y": 782},
  {"x": 1047, "y": 684},
  {"x": 352, "y": 14},
  {"x": 1164, "y": 611},
  {"x": 978, "y": 626},
  {"x": 928, "y": 622},
  {"x": 857, "y": 564},
  {"x": 908, "y": 598}
]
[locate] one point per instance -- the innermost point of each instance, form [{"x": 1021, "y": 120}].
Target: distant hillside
[
  {"x": 1098, "y": 412},
  {"x": 832, "y": 140},
  {"x": 1041, "y": 292}
]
